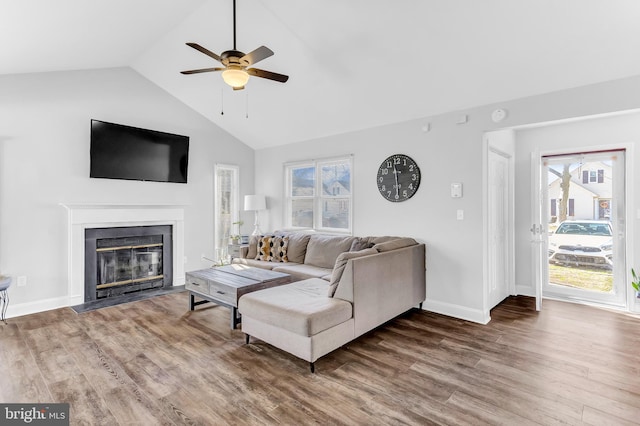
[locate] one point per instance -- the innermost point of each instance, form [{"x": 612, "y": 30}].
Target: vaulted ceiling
[{"x": 352, "y": 64}]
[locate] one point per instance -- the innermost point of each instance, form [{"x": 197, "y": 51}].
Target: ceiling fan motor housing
[{"x": 233, "y": 57}]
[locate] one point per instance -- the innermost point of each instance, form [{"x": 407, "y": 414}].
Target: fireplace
[
  {"x": 86, "y": 217},
  {"x": 123, "y": 260}
]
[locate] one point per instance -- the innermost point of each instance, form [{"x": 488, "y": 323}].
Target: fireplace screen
[{"x": 128, "y": 264}]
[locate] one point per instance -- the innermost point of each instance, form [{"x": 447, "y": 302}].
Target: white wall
[
  {"x": 449, "y": 152},
  {"x": 44, "y": 161}
]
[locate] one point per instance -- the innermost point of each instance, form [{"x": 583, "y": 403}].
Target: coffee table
[{"x": 224, "y": 285}]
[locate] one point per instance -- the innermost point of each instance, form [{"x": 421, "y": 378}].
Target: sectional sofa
[{"x": 344, "y": 287}]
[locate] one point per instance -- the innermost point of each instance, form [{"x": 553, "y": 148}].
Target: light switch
[
  {"x": 460, "y": 214},
  {"x": 456, "y": 190}
]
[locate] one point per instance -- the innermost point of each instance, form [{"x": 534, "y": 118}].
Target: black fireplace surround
[{"x": 150, "y": 245}]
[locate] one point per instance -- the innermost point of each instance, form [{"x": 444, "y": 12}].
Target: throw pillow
[
  {"x": 395, "y": 244},
  {"x": 360, "y": 244},
  {"x": 252, "y": 253},
  {"x": 341, "y": 263},
  {"x": 272, "y": 248}
]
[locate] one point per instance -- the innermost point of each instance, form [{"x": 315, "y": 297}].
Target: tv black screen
[{"x": 125, "y": 152}]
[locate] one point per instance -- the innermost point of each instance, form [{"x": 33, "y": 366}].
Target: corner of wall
[{"x": 457, "y": 311}]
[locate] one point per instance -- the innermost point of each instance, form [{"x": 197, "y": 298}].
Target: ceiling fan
[{"x": 235, "y": 72}]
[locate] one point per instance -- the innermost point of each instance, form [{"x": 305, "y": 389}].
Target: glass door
[
  {"x": 226, "y": 210},
  {"x": 584, "y": 204}
]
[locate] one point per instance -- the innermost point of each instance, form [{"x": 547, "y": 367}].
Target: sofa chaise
[{"x": 344, "y": 287}]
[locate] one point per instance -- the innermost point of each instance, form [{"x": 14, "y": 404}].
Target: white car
[{"x": 582, "y": 243}]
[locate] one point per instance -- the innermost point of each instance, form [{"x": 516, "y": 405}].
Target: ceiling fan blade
[
  {"x": 205, "y": 51},
  {"x": 257, "y": 55},
  {"x": 201, "y": 70},
  {"x": 268, "y": 74}
]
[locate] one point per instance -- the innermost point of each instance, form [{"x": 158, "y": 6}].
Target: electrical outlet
[
  {"x": 22, "y": 281},
  {"x": 460, "y": 214}
]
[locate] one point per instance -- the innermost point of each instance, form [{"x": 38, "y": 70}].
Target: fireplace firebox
[{"x": 124, "y": 260}]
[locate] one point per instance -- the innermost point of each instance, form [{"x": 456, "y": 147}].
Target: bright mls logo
[{"x": 34, "y": 414}]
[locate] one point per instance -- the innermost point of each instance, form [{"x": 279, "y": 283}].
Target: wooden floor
[{"x": 154, "y": 362}]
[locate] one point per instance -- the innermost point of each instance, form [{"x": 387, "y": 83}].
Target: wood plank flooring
[{"x": 155, "y": 362}]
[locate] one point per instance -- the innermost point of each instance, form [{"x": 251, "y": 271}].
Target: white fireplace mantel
[{"x": 86, "y": 216}]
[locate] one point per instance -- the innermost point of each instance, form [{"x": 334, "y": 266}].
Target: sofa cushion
[
  {"x": 302, "y": 271},
  {"x": 256, "y": 263},
  {"x": 323, "y": 250},
  {"x": 302, "y": 307},
  {"x": 341, "y": 263},
  {"x": 395, "y": 244},
  {"x": 272, "y": 248},
  {"x": 297, "y": 246}
]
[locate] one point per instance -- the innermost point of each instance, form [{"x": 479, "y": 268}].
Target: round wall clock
[{"x": 398, "y": 178}]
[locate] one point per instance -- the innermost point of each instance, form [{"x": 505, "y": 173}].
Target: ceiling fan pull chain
[
  {"x": 247, "y": 107},
  {"x": 221, "y": 101}
]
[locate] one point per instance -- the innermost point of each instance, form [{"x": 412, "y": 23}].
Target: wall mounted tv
[{"x": 124, "y": 152}]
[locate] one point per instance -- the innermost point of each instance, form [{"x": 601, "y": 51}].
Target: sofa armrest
[
  {"x": 244, "y": 250},
  {"x": 383, "y": 286}
]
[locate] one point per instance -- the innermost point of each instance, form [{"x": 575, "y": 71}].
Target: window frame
[{"x": 318, "y": 197}]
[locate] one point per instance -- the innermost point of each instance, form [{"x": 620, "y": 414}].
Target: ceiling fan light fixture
[{"x": 235, "y": 78}]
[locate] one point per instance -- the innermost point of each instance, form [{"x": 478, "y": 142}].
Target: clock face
[{"x": 398, "y": 178}]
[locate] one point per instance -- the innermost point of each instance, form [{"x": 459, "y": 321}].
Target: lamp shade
[
  {"x": 235, "y": 77},
  {"x": 255, "y": 202}
]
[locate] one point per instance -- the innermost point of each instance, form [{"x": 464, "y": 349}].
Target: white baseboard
[
  {"x": 457, "y": 311},
  {"x": 37, "y": 306},
  {"x": 522, "y": 290},
  {"x": 57, "y": 302}
]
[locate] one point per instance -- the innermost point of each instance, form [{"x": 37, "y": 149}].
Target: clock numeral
[
  {"x": 411, "y": 186},
  {"x": 380, "y": 179},
  {"x": 388, "y": 193},
  {"x": 404, "y": 193},
  {"x": 396, "y": 160},
  {"x": 410, "y": 167},
  {"x": 414, "y": 177},
  {"x": 383, "y": 188},
  {"x": 384, "y": 171},
  {"x": 389, "y": 164}
]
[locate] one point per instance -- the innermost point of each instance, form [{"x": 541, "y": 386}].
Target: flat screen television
[{"x": 125, "y": 152}]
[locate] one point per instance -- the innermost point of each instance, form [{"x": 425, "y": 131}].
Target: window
[
  {"x": 318, "y": 195},
  {"x": 226, "y": 209},
  {"x": 555, "y": 206},
  {"x": 593, "y": 176}
]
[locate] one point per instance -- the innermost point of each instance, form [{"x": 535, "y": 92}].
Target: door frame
[{"x": 539, "y": 199}]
